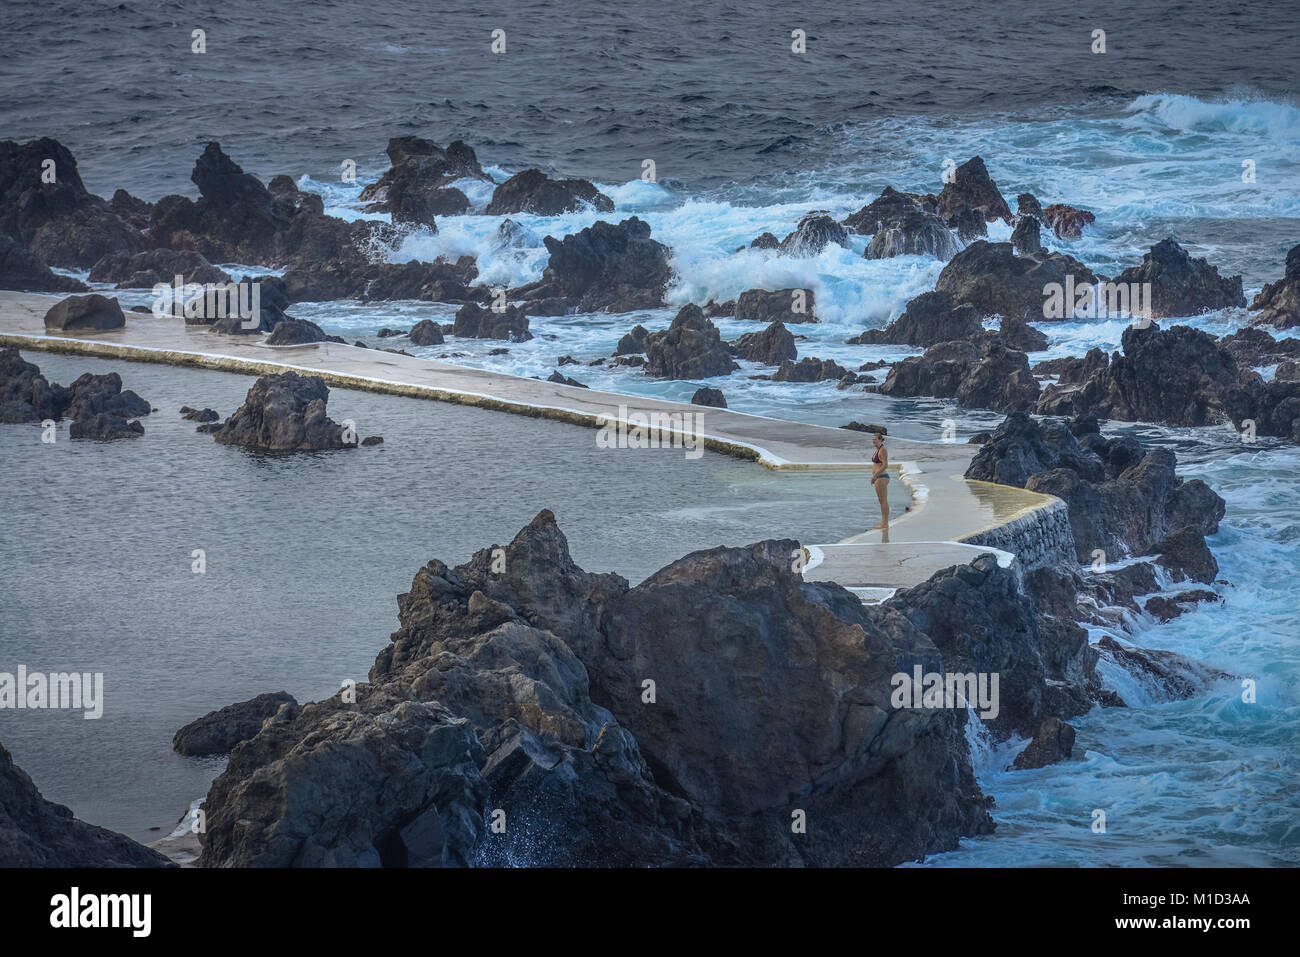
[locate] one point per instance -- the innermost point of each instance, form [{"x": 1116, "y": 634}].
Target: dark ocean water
[{"x": 712, "y": 92}]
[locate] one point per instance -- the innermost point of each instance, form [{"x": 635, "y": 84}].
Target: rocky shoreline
[
  {"x": 1166, "y": 375},
  {"x": 530, "y": 712}
]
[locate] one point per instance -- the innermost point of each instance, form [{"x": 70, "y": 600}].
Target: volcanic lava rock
[
  {"x": 971, "y": 187},
  {"x": 295, "y": 332},
  {"x": 1121, "y": 499},
  {"x": 992, "y": 278},
  {"x": 1026, "y": 239},
  {"x": 1053, "y": 742},
  {"x": 1181, "y": 285},
  {"x": 1067, "y": 222},
  {"x": 930, "y": 318},
  {"x": 603, "y": 268},
  {"x": 809, "y": 369},
  {"x": 426, "y": 332},
  {"x": 418, "y": 184},
  {"x": 238, "y": 219},
  {"x": 284, "y": 413},
  {"x": 105, "y": 427},
  {"x": 532, "y": 191},
  {"x": 712, "y": 398},
  {"x": 23, "y": 270},
  {"x": 984, "y": 376},
  {"x": 92, "y": 312},
  {"x": 772, "y": 346},
  {"x": 217, "y": 732},
  {"x": 1278, "y": 303},
  {"x": 35, "y": 832},
  {"x": 1178, "y": 376},
  {"x": 814, "y": 233},
  {"x": 691, "y": 348},
  {"x": 153, "y": 266},
  {"x": 476, "y": 322},
  {"x": 781, "y": 305},
  {"x": 60, "y": 222},
  {"x": 564, "y": 380},
  {"x": 632, "y": 342}
]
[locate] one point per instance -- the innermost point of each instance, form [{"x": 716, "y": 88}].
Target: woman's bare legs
[{"x": 882, "y": 490}]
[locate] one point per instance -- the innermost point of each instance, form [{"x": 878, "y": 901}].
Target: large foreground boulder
[
  {"x": 527, "y": 712},
  {"x": 35, "y": 832}
]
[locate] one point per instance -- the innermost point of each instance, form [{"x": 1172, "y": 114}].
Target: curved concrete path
[{"x": 946, "y": 507}]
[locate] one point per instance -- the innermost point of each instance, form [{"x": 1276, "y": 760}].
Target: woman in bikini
[{"x": 880, "y": 478}]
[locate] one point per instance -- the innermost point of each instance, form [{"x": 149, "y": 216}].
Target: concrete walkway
[{"x": 945, "y": 506}]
